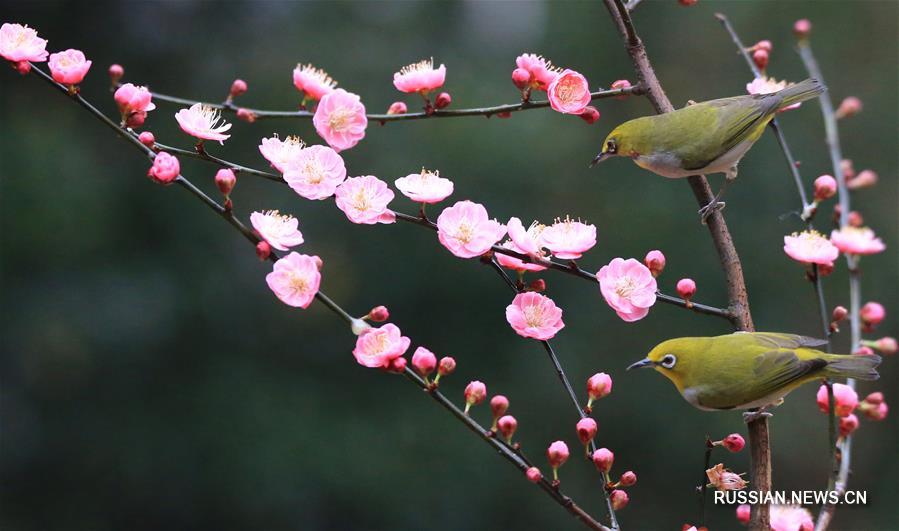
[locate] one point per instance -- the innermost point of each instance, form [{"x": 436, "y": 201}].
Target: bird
[
  {"x": 703, "y": 138},
  {"x": 749, "y": 370}
]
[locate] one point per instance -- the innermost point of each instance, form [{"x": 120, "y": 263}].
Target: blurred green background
[{"x": 150, "y": 380}]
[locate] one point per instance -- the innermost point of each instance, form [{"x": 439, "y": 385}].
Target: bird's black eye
[
  {"x": 611, "y": 147},
  {"x": 668, "y": 361}
]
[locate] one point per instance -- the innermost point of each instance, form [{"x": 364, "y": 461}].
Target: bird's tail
[
  {"x": 804, "y": 90},
  {"x": 858, "y": 366}
]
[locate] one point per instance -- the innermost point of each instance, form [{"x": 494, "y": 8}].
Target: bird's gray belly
[{"x": 670, "y": 165}]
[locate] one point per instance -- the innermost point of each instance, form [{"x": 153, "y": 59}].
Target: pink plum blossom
[
  {"x": 20, "y": 43},
  {"x": 295, "y": 279},
  {"x": 534, "y": 315},
  {"x": 315, "y": 172},
  {"x": 202, "y": 121},
  {"x": 569, "y": 239},
  {"x": 165, "y": 168},
  {"x": 528, "y": 240},
  {"x": 768, "y": 85},
  {"x": 315, "y": 83},
  {"x": 872, "y": 313},
  {"x": 420, "y": 77},
  {"x": 655, "y": 261},
  {"x": 475, "y": 393},
  {"x": 69, "y": 67},
  {"x": 541, "y": 72},
  {"x": 733, "y": 442},
  {"x": 628, "y": 287},
  {"x": 848, "y": 424},
  {"x": 857, "y": 241},
  {"x": 845, "y": 399},
  {"x": 378, "y": 347},
  {"x": 744, "y": 512},
  {"x": 340, "y": 119},
  {"x": 569, "y": 92},
  {"x": 132, "y": 99},
  {"x": 424, "y": 361},
  {"x": 791, "y": 518},
  {"x": 425, "y": 187},
  {"x": 810, "y": 247},
  {"x": 466, "y": 230},
  {"x": 279, "y": 152},
  {"x": 279, "y": 230},
  {"x": 364, "y": 200}
]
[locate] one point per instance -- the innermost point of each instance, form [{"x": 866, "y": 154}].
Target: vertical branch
[{"x": 738, "y": 301}]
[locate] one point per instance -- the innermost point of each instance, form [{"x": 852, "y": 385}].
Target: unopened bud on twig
[
  {"x": 475, "y": 393},
  {"x": 850, "y": 106},
  {"x": 397, "y": 107},
  {"x": 424, "y": 361},
  {"x": 603, "y": 459},
  {"x": 238, "y": 88},
  {"x": 443, "y": 100},
  {"x": 655, "y": 261},
  {"x": 686, "y": 288},
  {"x": 378, "y": 314},
  {"x": 116, "y": 71},
  {"x": 225, "y": 181},
  {"x": 146, "y": 138},
  {"x": 802, "y": 28},
  {"x": 506, "y": 425},
  {"x": 618, "y": 497}
]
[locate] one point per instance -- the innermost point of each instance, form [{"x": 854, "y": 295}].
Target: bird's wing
[
  {"x": 779, "y": 368},
  {"x": 790, "y": 341}
]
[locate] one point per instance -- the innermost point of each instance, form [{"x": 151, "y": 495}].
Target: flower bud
[
  {"x": 848, "y": 424},
  {"x": 586, "y": 430},
  {"x": 263, "y": 250},
  {"x": 802, "y": 28},
  {"x": 686, "y": 288},
  {"x": 443, "y": 100},
  {"x": 845, "y": 399},
  {"x": 655, "y": 261},
  {"x": 537, "y": 285},
  {"x": 848, "y": 168},
  {"x": 475, "y": 393},
  {"x": 618, "y": 497},
  {"x": 763, "y": 45},
  {"x": 627, "y": 479},
  {"x": 116, "y": 71},
  {"x": 850, "y": 106},
  {"x": 533, "y": 474},
  {"x": 238, "y": 87},
  {"x": 424, "y": 361},
  {"x": 864, "y": 179},
  {"x": 733, "y": 442},
  {"x": 446, "y": 366},
  {"x": 760, "y": 58},
  {"x": 246, "y": 115},
  {"x": 557, "y": 454},
  {"x": 499, "y": 404},
  {"x": 825, "y": 187},
  {"x": 590, "y": 114},
  {"x": 874, "y": 398},
  {"x": 507, "y": 426},
  {"x": 743, "y": 513},
  {"x": 839, "y": 313},
  {"x": 603, "y": 459},
  {"x": 378, "y": 314},
  {"x": 397, "y": 365},
  {"x": 22, "y": 67},
  {"x": 872, "y": 313},
  {"x": 874, "y": 407},
  {"x": 886, "y": 345},
  {"x": 621, "y": 84},
  {"x": 397, "y": 107},
  {"x": 165, "y": 168},
  {"x": 598, "y": 386},
  {"x": 225, "y": 181},
  {"x": 146, "y": 138},
  {"x": 863, "y": 351},
  {"x": 825, "y": 269},
  {"x": 521, "y": 78},
  {"x": 855, "y": 219},
  {"x": 136, "y": 119}
]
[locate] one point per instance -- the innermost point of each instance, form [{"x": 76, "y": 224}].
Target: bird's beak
[
  {"x": 599, "y": 158},
  {"x": 642, "y": 364}
]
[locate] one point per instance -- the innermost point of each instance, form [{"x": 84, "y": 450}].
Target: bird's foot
[
  {"x": 710, "y": 209},
  {"x": 752, "y": 416}
]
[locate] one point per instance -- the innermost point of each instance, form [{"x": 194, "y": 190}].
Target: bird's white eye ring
[{"x": 668, "y": 361}]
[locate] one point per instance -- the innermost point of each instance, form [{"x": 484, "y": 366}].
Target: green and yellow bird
[
  {"x": 702, "y": 138},
  {"x": 748, "y": 370}
]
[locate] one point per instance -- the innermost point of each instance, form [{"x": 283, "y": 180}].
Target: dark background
[{"x": 150, "y": 380}]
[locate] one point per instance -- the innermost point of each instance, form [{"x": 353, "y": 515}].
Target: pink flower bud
[
  {"x": 475, "y": 393},
  {"x": 538, "y": 285},
  {"x": 378, "y": 314},
  {"x": 397, "y": 365},
  {"x": 874, "y": 411},
  {"x": 246, "y": 115},
  {"x": 627, "y": 479},
  {"x": 146, "y": 138},
  {"x": 825, "y": 269},
  {"x": 225, "y": 180},
  {"x": 743, "y": 513},
  {"x": 848, "y": 168},
  {"x": 734, "y": 442},
  {"x": 802, "y": 28},
  {"x": 533, "y": 474},
  {"x": 165, "y": 169},
  {"x": 760, "y": 58},
  {"x": 839, "y": 313},
  {"x": 686, "y": 288},
  {"x": 557, "y": 454},
  {"x": 586, "y": 430},
  {"x": 521, "y": 78},
  {"x": 443, "y": 100},
  {"x": 849, "y": 107},
  {"x": 863, "y": 351},
  {"x": 22, "y": 67},
  {"x": 655, "y": 261},
  {"x": 855, "y": 219},
  {"x": 618, "y": 497},
  {"x": 845, "y": 399},
  {"x": 848, "y": 424},
  {"x": 864, "y": 179},
  {"x": 590, "y": 114},
  {"x": 446, "y": 366},
  {"x": 874, "y": 398},
  {"x": 263, "y": 250},
  {"x": 825, "y": 187},
  {"x": 598, "y": 386},
  {"x": 136, "y": 119},
  {"x": 397, "y": 107},
  {"x": 603, "y": 459},
  {"x": 872, "y": 313},
  {"x": 763, "y": 45},
  {"x": 499, "y": 404},
  {"x": 116, "y": 71},
  {"x": 507, "y": 426},
  {"x": 238, "y": 87},
  {"x": 886, "y": 345},
  {"x": 621, "y": 84},
  {"x": 424, "y": 361}
]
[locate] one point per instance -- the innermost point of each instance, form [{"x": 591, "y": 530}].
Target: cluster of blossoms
[
  {"x": 846, "y": 402},
  {"x": 567, "y": 90}
]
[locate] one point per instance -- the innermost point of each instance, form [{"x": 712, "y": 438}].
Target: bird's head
[
  {"x": 674, "y": 358},
  {"x": 622, "y": 141}
]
